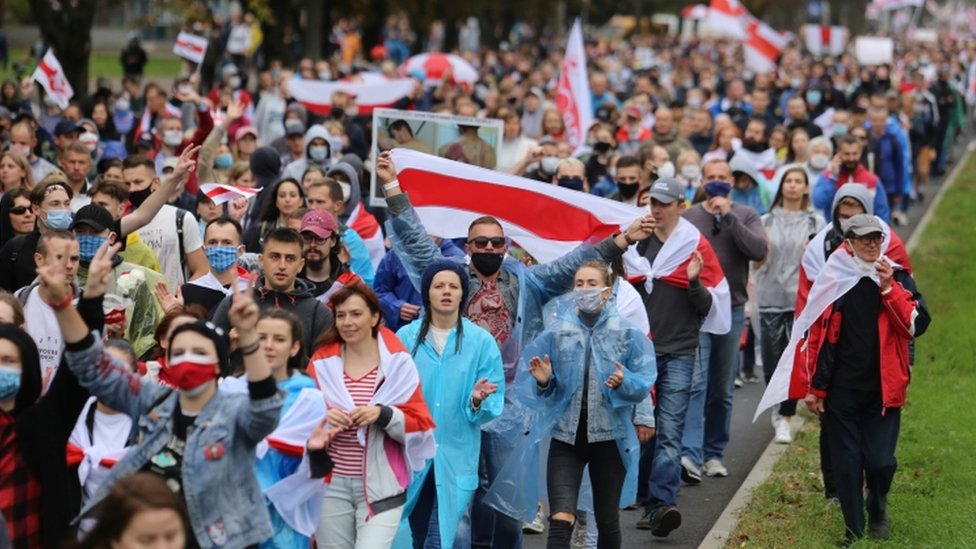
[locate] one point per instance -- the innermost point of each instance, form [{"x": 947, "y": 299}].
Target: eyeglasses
[
  {"x": 19, "y": 210},
  {"x": 875, "y": 238},
  {"x": 482, "y": 241}
]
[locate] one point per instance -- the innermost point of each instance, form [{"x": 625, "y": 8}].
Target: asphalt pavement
[{"x": 702, "y": 505}]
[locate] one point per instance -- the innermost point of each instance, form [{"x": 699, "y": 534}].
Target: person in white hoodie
[{"x": 317, "y": 152}]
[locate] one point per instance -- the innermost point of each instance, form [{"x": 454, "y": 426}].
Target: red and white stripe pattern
[
  {"x": 573, "y": 97},
  {"x": 696, "y": 11},
  {"x": 220, "y": 193},
  {"x": 671, "y": 267},
  {"x": 368, "y": 228},
  {"x": 190, "y": 46},
  {"x": 546, "y": 220},
  {"x": 316, "y": 96},
  {"x": 145, "y": 123},
  {"x": 763, "y": 47},
  {"x": 51, "y": 77},
  {"x": 346, "y": 452},
  {"x": 726, "y": 17},
  {"x": 825, "y": 40},
  {"x": 434, "y": 65}
]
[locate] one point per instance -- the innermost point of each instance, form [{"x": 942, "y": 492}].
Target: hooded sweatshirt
[
  {"x": 357, "y": 218},
  {"x": 297, "y": 168},
  {"x": 301, "y": 301}
]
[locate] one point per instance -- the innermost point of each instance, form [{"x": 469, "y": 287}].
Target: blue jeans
[
  {"x": 424, "y": 524},
  {"x": 675, "y": 375},
  {"x": 709, "y": 423},
  {"x": 489, "y": 528}
]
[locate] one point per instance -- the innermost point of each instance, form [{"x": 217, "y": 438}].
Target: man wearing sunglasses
[{"x": 506, "y": 299}]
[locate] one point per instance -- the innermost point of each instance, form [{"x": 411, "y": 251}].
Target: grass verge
[
  {"x": 104, "y": 64},
  {"x": 934, "y": 489}
]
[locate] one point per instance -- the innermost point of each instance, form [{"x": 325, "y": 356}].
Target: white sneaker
[
  {"x": 714, "y": 468},
  {"x": 537, "y": 526},
  {"x": 783, "y": 435}
]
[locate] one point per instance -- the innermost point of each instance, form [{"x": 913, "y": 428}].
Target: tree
[{"x": 65, "y": 26}]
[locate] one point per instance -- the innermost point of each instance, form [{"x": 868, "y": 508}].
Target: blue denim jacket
[{"x": 222, "y": 495}]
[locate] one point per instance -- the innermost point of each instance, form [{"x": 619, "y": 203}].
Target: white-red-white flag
[
  {"x": 190, "y": 46},
  {"x": 695, "y": 11},
  {"x": 220, "y": 193},
  {"x": 726, "y": 17},
  {"x": 573, "y": 97},
  {"x": 316, "y": 95},
  {"x": 762, "y": 47},
  {"x": 50, "y": 76},
  {"x": 825, "y": 40}
]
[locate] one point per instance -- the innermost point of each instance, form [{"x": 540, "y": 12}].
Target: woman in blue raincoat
[
  {"x": 463, "y": 382},
  {"x": 589, "y": 423}
]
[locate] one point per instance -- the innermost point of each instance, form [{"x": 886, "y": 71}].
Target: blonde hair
[{"x": 27, "y": 181}]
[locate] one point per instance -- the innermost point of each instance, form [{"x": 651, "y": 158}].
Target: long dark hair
[
  {"x": 7, "y": 204},
  {"x": 425, "y": 327},
  {"x": 372, "y": 303},
  {"x": 294, "y": 362},
  {"x": 128, "y": 497},
  {"x": 271, "y": 212}
]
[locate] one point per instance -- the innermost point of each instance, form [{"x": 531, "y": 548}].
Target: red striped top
[{"x": 345, "y": 450}]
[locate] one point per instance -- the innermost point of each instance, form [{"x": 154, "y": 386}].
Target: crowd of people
[{"x": 293, "y": 364}]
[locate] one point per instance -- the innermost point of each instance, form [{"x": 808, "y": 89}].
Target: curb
[{"x": 719, "y": 535}]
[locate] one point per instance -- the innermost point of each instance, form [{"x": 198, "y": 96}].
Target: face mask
[
  {"x": 138, "y": 197},
  {"x": 58, "y": 219},
  {"x": 325, "y": 75},
  {"x": 819, "y": 161},
  {"x": 690, "y": 172},
  {"x": 573, "y": 183},
  {"x": 666, "y": 170},
  {"x": 234, "y": 82},
  {"x": 588, "y": 300},
  {"x": 318, "y": 153},
  {"x": 224, "y": 161},
  {"x": 487, "y": 263},
  {"x": 796, "y": 83},
  {"x": 9, "y": 382},
  {"x": 221, "y": 258},
  {"x": 87, "y": 246},
  {"x": 346, "y": 190},
  {"x": 191, "y": 372},
  {"x": 694, "y": 102},
  {"x": 628, "y": 190},
  {"x": 601, "y": 147},
  {"x": 353, "y": 112},
  {"x": 49, "y": 101},
  {"x": 814, "y": 97},
  {"x": 338, "y": 112},
  {"x": 549, "y": 164},
  {"x": 718, "y": 188},
  {"x": 21, "y": 150},
  {"x": 840, "y": 130},
  {"x": 173, "y": 138},
  {"x": 122, "y": 106}
]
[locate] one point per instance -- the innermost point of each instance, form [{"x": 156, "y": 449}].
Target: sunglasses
[
  {"x": 19, "y": 210},
  {"x": 482, "y": 241}
]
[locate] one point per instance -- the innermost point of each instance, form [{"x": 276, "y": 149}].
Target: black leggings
[{"x": 565, "y": 474}]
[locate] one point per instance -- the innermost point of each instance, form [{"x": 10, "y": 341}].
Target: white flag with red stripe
[
  {"x": 573, "y": 97},
  {"x": 825, "y": 40},
  {"x": 763, "y": 47},
  {"x": 696, "y": 11},
  {"x": 220, "y": 193},
  {"x": 316, "y": 95},
  {"x": 51, "y": 77},
  {"x": 726, "y": 17},
  {"x": 546, "y": 220},
  {"x": 190, "y": 46},
  {"x": 145, "y": 123}
]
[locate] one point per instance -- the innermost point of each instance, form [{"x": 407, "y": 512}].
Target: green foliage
[{"x": 935, "y": 486}]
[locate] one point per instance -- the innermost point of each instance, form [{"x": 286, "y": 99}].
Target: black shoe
[
  {"x": 880, "y": 529},
  {"x": 644, "y": 523},
  {"x": 664, "y": 520}
]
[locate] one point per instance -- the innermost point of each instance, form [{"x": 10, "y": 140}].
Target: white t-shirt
[
  {"x": 439, "y": 338},
  {"x": 42, "y": 325},
  {"x": 512, "y": 151},
  {"x": 160, "y": 235},
  {"x": 110, "y": 431}
]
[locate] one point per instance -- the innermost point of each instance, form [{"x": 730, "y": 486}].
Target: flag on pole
[
  {"x": 825, "y": 40},
  {"x": 220, "y": 193},
  {"x": 573, "y": 97},
  {"x": 725, "y": 17},
  {"x": 372, "y": 94},
  {"x": 50, "y": 76},
  {"x": 190, "y": 47},
  {"x": 696, "y": 11},
  {"x": 763, "y": 47}
]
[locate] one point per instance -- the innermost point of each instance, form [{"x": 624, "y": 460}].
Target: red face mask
[{"x": 189, "y": 372}]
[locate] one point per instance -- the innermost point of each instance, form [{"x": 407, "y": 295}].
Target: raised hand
[
  {"x": 322, "y": 436},
  {"x": 385, "y": 170},
  {"x": 616, "y": 379},
  {"x": 482, "y": 390},
  {"x": 237, "y": 208},
  {"x": 166, "y": 299},
  {"x": 55, "y": 286},
  {"x": 100, "y": 268},
  {"x": 243, "y": 312},
  {"x": 186, "y": 164},
  {"x": 541, "y": 370},
  {"x": 235, "y": 110}
]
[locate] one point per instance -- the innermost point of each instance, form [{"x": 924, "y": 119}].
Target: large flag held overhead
[
  {"x": 573, "y": 97},
  {"x": 190, "y": 47},
  {"x": 50, "y": 76},
  {"x": 763, "y": 47},
  {"x": 726, "y": 17},
  {"x": 220, "y": 193},
  {"x": 316, "y": 96},
  {"x": 825, "y": 40}
]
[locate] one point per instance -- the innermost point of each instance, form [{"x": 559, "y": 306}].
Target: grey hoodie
[
  {"x": 352, "y": 200},
  {"x": 297, "y": 168}
]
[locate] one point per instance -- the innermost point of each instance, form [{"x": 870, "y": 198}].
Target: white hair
[{"x": 821, "y": 140}]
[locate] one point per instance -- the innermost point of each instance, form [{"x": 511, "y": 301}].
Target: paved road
[{"x": 701, "y": 505}]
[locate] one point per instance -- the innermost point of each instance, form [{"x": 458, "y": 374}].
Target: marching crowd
[{"x": 293, "y": 365}]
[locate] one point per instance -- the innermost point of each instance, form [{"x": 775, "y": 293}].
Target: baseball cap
[
  {"x": 862, "y": 224},
  {"x": 633, "y": 111},
  {"x": 94, "y": 216},
  {"x": 667, "y": 189},
  {"x": 170, "y": 163},
  {"x": 146, "y": 140},
  {"x": 66, "y": 126},
  {"x": 294, "y": 127},
  {"x": 321, "y": 224},
  {"x": 246, "y": 130}
]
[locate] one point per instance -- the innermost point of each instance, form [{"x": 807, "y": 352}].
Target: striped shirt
[{"x": 346, "y": 452}]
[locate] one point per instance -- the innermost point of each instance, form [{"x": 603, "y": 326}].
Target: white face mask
[
  {"x": 690, "y": 172},
  {"x": 173, "y": 138},
  {"x": 588, "y": 300},
  {"x": 819, "y": 161},
  {"x": 346, "y": 191},
  {"x": 234, "y": 82},
  {"x": 666, "y": 170},
  {"x": 318, "y": 153},
  {"x": 21, "y": 150}
]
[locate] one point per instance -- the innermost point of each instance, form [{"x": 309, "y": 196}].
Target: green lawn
[
  {"x": 934, "y": 491},
  {"x": 106, "y": 64}
]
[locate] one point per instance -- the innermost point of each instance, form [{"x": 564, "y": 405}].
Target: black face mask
[
  {"x": 338, "y": 112},
  {"x": 601, "y": 147},
  {"x": 138, "y": 197},
  {"x": 573, "y": 183},
  {"x": 487, "y": 263},
  {"x": 754, "y": 146},
  {"x": 627, "y": 190}
]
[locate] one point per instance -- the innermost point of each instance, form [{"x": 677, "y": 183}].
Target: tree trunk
[{"x": 66, "y": 27}]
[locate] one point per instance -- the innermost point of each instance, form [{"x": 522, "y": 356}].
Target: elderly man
[{"x": 666, "y": 134}]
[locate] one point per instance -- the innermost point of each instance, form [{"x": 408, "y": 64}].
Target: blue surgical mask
[
  {"x": 718, "y": 188},
  {"x": 814, "y": 97},
  {"x": 58, "y": 219},
  {"x": 574, "y": 183},
  {"x": 221, "y": 258},
  {"x": 224, "y": 161},
  {"x": 87, "y": 246},
  {"x": 9, "y": 381}
]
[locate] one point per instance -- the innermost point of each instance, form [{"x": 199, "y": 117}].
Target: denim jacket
[{"x": 222, "y": 495}]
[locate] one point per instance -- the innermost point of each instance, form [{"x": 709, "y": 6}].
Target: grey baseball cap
[
  {"x": 667, "y": 189},
  {"x": 861, "y": 225}
]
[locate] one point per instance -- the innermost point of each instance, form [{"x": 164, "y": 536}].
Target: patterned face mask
[
  {"x": 221, "y": 258},
  {"x": 88, "y": 244}
]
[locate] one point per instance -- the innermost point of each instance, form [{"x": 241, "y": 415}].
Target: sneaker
[
  {"x": 783, "y": 435},
  {"x": 899, "y": 218},
  {"x": 738, "y": 382},
  {"x": 644, "y": 523},
  {"x": 752, "y": 379},
  {"x": 664, "y": 520},
  {"x": 714, "y": 468},
  {"x": 689, "y": 473},
  {"x": 537, "y": 526},
  {"x": 880, "y": 529},
  {"x": 578, "y": 541}
]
